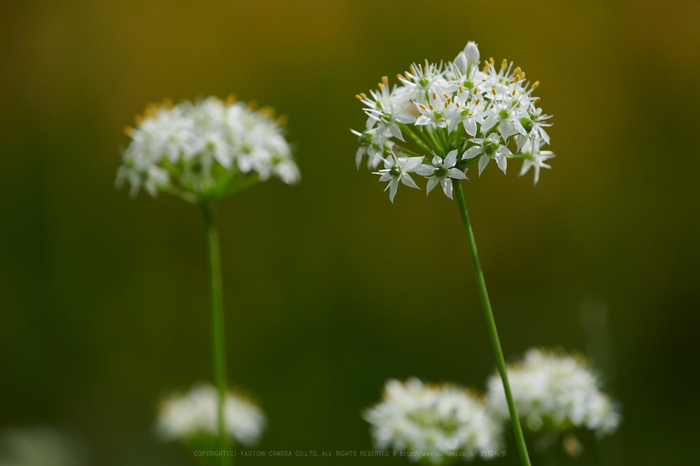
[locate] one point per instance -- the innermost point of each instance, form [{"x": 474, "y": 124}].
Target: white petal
[
  {"x": 432, "y": 182},
  {"x": 456, "y": 173},
  {"x": 393, "y": 185},
  {"x": 422, "y": 120},
  {"x": 501, "y": 161},
  {"x": 470, "y": 126},
  {"x": 404, "y": 118},
  {"x": 358, "y": 156},
  {"x": 483, "y": 161},
  {"x": 489, "y": 123},
  {"x": 394, "y": 128},
  {"x": 425, "y": 170},
  {"x": 412, "y": 163},
  {"x": 451, "y": 158},
  {"x": 472, "y": 152},
  {"x": 408, "y": 181},
  {"x": 447, "y": 187}
]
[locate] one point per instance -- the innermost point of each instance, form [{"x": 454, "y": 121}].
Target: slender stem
[
  {"x": 414, "y": 137},
  {"x": 216, "y": 304},
  {"x": 491, "y": 323}
]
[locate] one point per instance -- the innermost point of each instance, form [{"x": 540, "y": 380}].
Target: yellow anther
[
  {"x": 431, "y": 107},
  {"x": 422, "y": 106},
  {"x": 476, "y": 91},
  {"x": 281, "y": 120},
  {"x": 504, "y": 63},
  {"x": 537, "y": 99},
  {"x": 536, "y": 84},
  {"x": 381, "y": 86},
  {"x": 457, "y": 104},
  {"x": 470, "y": 114},
  {"x": 493, "y": 90},
  {"x": 434, "y": 96},
  {"x": 516, "y": 78},
  {"x": 522, "y": 75},
  {"x": 491, "y": 60},
  {"x": 267, "y": 111},
  {"x": 517, "y": 70},
  {"x": 358, "y": 97},
  {"x": 461, "y": 89},
  {"x": 231, "y": 99},
  {"x": 447, "y": 103},
  {"x": 486, "y": 66},
  {"x": 385, "y": 79},
  {"x": 128, "y": 130},
  {"x": 446, "y": 96},
  {"x": 412, "y": 69},
  {"x": 363, "y": 95},
  {"x": 253, "y": 105},
  {"x": 477, "y": 101},
  {"x": 513, "y": 92},
  {"x": 399, "y": 76}
]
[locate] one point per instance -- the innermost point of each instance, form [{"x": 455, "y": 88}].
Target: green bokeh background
[{"x": 329, "y": 289}]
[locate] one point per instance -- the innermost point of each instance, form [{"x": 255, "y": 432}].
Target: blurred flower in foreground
[
  {"x": 479, "y": 114},
  {"x": 40, "y": 446},
  {"x": 192, "y": 417},
  {"x": 435, "y": 423},
  {"x": 206, "y": 151},
  {"x": 555, "y": 393}
]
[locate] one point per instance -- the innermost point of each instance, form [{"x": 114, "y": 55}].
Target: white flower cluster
[
  {"x": 205, "y": 151},
  {"x": 432, "y": 421},
  {"x": 554, "y": 392},
  {"x": 188, "y": 416},
  {"x": 456, "y": 115}
]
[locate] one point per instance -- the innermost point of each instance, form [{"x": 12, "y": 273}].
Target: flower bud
[
  {"x": 461, "y": 62},
  {"x": 471, "y": 51}
]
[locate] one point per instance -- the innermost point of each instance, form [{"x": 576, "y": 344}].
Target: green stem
[
  {"x": 414, "y": 137},
  {"x": 491, "y": 323},
  {"x": 216, "y": 304},
  {"x": 436, "y": 144}
]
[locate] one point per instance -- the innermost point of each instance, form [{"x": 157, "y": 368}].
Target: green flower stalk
[
  {"x": 203, "y": 153},
  {"x": 439, "y": 121}
]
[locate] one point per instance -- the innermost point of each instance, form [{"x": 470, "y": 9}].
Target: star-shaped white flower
[
  {"x": 442, "y": 172},
  {"x": 489, "y": 148},
  {"x": 397, "y": 169},
  {"x": 535, "y": 157}
]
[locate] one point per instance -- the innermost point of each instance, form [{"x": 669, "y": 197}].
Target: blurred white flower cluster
[
  {"x": 555, "y": 392},
  {"x": 433, "y": 422},
  {"x": 193, "y": 415},
  {"x": 205, "y": 151},
  {"x": 455, "y": 115}
]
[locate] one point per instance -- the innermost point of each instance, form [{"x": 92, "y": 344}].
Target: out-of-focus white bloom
[
  {"x": 205, "y": 151},
  {"x": 192, "y": 415},
  {"x": 436, "y": 109},
  {"x": 433, "y": 422},
  {"x": 555, "y": 392},
  {"x": 40, "y": 446}
]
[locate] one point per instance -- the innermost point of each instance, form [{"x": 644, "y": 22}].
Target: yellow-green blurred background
[{"x": 329, "y": 289}]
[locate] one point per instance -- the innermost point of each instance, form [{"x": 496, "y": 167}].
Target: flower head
[
  {"x": 554, "y": 393},
  {"x": 193, "y": 417},
  {"x": 436, "y": 421},
  {"x": 484, "y": 114},
  {"x": 205, "y": 151}
]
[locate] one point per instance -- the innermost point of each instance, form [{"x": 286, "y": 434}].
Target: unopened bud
[
  {"x": 471, "y": 52},
  {"x": 461, "y": 62}
]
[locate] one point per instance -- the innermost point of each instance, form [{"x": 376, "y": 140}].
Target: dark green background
[{"x": 330, "y": 289}]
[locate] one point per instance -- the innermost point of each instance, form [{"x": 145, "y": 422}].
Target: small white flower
[
  {"x": 431, "y": 420},
  {"x": 442, "y": 172},
  {"x": 185, "y": 417},
  {"x": 554, "y": 392},
  {"x": 489, "y": 148},
  {"x": 535, "y": 157},
  {"x": 397, "y": 169}
]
